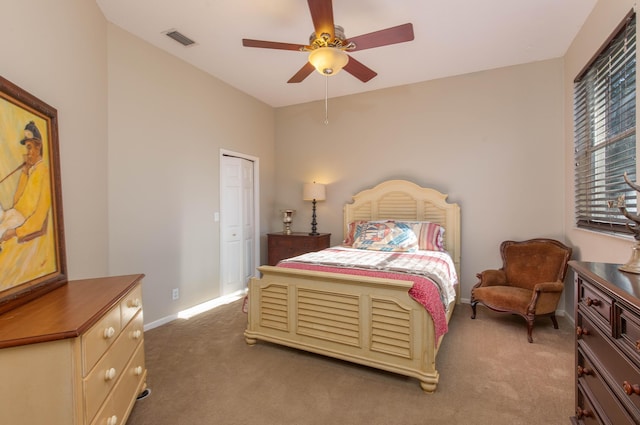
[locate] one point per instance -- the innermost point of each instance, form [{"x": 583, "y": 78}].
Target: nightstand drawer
[{"x": 281, "y": 246}]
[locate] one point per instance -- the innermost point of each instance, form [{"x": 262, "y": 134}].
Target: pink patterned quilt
[{"x": 433, "y": 273}]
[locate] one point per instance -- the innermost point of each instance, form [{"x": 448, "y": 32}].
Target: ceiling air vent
[{"x": 180, "y": 38}]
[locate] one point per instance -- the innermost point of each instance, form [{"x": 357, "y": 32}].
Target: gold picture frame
[{"x": 32, "y": 248}]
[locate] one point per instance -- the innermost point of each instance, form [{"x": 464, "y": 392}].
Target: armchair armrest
[
  {"x": 491, "y": 278},
  {"x": 549, "y": 287}
]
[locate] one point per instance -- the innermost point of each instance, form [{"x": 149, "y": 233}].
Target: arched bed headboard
[{"x": 404, "y": 200}]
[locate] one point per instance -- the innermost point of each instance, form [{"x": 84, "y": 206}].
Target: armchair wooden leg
[
  {"x": 555, "y": 321},
  {"x": 530, "y": 328},
  {"x": 473, "y": 309}
]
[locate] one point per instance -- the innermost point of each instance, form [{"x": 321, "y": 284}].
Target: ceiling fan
[{"x": 328, "y": 45}]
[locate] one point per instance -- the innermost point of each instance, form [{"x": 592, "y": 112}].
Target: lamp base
[
  {"x": 314, "y": 223},
  {"x": 633, "y": 265}
]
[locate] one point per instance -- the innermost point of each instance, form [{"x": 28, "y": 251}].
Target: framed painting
[{"x": 32, "y": 249}]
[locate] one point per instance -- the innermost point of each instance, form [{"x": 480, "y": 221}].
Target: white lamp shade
[
  {"x": 328, "y": 60},
  {"x": 313, "y": 191}
]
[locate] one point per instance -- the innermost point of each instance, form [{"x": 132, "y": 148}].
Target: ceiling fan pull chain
[{"x": 326, "y": 100}]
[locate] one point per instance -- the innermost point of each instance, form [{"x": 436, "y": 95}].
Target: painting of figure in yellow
[{"x": 29, "y": 238}]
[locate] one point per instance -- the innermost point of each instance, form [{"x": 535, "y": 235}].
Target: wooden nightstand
[{"x": 281, "y": 246}]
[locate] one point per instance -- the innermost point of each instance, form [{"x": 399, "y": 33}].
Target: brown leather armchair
[{"x": 529, "y": 283}]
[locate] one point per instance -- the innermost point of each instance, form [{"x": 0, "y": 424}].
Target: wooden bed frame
[{"x": 370, "y": 321}]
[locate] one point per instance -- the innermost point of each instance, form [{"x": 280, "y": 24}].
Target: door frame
[{"x": 256, "y": 208}]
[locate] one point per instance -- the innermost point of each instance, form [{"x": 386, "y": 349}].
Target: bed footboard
[{"x": 370, "y": 321}]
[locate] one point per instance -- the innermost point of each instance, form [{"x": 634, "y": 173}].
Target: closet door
[{"x": 237, "y": 225}]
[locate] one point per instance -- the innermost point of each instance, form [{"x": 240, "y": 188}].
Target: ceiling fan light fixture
[{"x": 328, "y": 60}]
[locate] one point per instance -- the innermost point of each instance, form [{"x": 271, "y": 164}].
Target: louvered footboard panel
[
  {"x": 329, "y": 316},
  {"x": 273, "y": 307},
  {"x": 391, "y": 328}
]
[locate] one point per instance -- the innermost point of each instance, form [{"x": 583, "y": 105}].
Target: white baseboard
[
  {"x": 197, "y": 309},
  {"x": 160, "y": 322}
]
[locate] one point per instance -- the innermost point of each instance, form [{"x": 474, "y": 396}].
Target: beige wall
[
  {"x": 167, "y": 124},
  {"x": 57, "y": 51},
  {"x": 589, "y": 246},
  {"x": 601, "y": 23},
  {"x": 140, "y": 134},
  {"x": 491, "y": 140},
  {"x": 140, "y": 138}
]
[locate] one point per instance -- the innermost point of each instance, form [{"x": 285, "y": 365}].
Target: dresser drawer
[
  {"x": 117, "y": 406},
  {"x": 107, "y": 416},
  {"x": 131, "y": 305},
  {"x": 593, "y": 300},
  {"x": 608, "y": 406},
  {"x": 629, "y": 333},
  {"x": 104, "y": 376},
  {"x": 618, "y": 369},
  {"x": 132, "y": 382},
  {"x": 99, "y": 338},
  {"x": 585, "y": 411}
]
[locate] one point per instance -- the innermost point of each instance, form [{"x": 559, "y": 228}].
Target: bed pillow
[
  {"x": 430, "y": 235},
  {"x": 386, "y": 236}
]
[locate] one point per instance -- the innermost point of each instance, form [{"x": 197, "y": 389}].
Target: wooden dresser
[
  {"x": 74, "y": 355},
  {"x": 281, "y": 245},
  {"x": 607, "y": 321}
]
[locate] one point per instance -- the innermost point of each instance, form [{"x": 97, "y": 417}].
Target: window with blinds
[{"x": 604, "y": 105}]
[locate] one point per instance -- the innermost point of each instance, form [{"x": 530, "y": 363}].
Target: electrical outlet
[{"x": 175, "y": 294}]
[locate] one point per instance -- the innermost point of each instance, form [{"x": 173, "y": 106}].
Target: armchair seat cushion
[{"x": 504, "y": 298}]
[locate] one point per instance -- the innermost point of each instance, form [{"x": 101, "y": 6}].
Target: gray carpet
[{"x": 201, "y": 371}]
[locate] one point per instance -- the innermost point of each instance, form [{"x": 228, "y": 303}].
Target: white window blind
[{"x": 604, "y": 106}]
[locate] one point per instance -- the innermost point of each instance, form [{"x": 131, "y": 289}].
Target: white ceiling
[{"x": 452, "y": 37}]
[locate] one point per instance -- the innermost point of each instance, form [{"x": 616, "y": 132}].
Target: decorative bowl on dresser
[
  {"x": 607, "y": 318},
  {"x": 282, "y": 245},
  {"x": 74, "y": 356}
]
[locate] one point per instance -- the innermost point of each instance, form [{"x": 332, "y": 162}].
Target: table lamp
[{"x": 314, "y": 192}]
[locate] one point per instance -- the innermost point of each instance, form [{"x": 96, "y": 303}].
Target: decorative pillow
[
  {"x": 352, "y": 228},
  {"x": 387, "y": 236}
]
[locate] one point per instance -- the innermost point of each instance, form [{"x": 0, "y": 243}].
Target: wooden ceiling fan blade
[
  {"x": 358, "y": 70},
  {"x": 246, "y": 42},
  {"x": 303, "y": 73},
  {"x": 322, "y": 17},
  {"x": 392, "y": 35}
]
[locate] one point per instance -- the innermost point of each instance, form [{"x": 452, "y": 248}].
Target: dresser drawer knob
[
  {"x": 135, "y": 303},
  {"x": 584, "y": 371},
  {"x": 137, "y": 371},
  {"x": 136, "y": 334},
  {"x": 593, "y": 303},
  {"x": 581, "y": 331},
  {"x": 638, "y": 345},
  {"x": 110, "y": 374},
  {"x": 109, "y": 332},
  {"x": 631, "y": 389},
  {"x": 112, "y": 420},
  {"x": 584, "y": 413}
]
